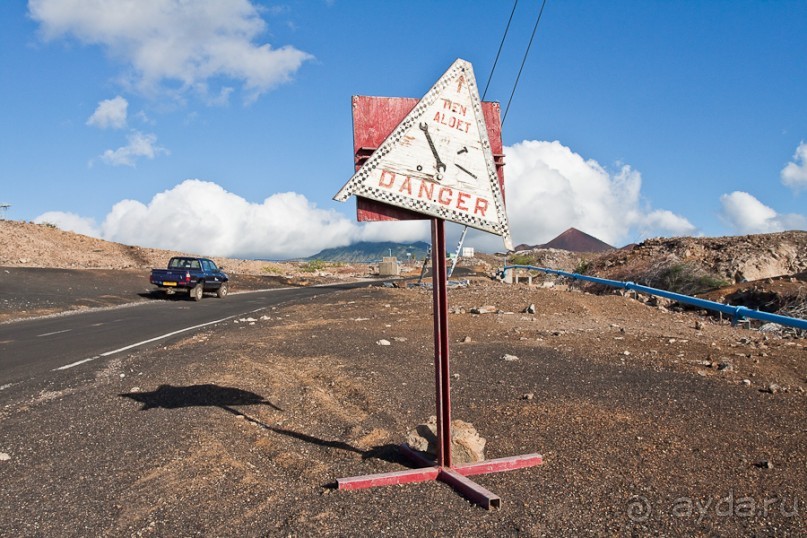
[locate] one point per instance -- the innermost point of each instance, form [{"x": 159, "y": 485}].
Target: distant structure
[
  {"x": 4, "y": 210},
  {"x": 468, "y": 252},
  {"x": 389, "y": 266}
]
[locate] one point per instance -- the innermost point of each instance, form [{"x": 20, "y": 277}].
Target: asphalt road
[{"x": 35, "y": 348}]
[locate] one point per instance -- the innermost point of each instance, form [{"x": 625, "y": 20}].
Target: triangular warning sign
[{"x": 438, "y": 161}]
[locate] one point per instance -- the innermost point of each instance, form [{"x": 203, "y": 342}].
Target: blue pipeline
[{"x": 737, "y": 313}]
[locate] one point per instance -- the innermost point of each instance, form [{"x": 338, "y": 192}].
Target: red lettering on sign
[
  {"x": 442, "y": 199},
  {"x": 426, "y": 190},
  {"x": 462, "y": 197},
  {"x": 423, "y": 189},
  {"x": 406, "y": 186},
  {"x": 456, "y": 108},
  {"x": 452, "y": 122},
  {"x": 481, "y": 206},
  {"x": 390, "y": 179}
]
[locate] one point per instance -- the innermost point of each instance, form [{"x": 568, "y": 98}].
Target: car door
[{"x": 212, "y": 275}]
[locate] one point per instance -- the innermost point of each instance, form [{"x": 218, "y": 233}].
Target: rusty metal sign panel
[{"x": 438, "y": 160}]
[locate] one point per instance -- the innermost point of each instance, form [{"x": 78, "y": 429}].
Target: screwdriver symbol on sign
[
  {"x": 460, "y": 152},
  {"x": 440, "y": 165}
]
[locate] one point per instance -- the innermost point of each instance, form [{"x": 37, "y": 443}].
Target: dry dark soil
[{"x": 651, "y": 422}]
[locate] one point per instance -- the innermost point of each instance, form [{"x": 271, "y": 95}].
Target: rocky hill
[
  {"x": 572, "y": 240},
  {"x": 732, "y": 259},
  {"x": 766, "y": 272},
  {"x": 24, "y": 244}
]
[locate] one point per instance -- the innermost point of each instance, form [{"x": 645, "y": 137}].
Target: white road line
[
  {"x": 72, "y": 364},
  {"x": 108, "y": 353},
  {"x": 144, "y": 342},
  {"x": 55, "y": 332}
]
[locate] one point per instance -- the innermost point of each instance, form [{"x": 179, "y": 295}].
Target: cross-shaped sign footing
[{"x": 456, "y": 477}]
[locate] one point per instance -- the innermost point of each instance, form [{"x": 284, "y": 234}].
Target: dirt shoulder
[{"x": 240, "y": 429}]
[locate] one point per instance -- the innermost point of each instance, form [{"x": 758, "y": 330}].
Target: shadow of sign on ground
[{"x": 225, "y": 398}]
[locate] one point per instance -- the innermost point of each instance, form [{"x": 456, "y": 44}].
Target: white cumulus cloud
[
  {"x": 794, "y": 174},
  {"x": 202, "y": 217},
  {"x": 138, "y": 145},
  {"x": 747, "y": 215},
  {"x": 175, "y": 43},
  {"x": 110, "y": 113},
  {"x": 71, "y": 222},
  {"x": 550, "y": 188}
]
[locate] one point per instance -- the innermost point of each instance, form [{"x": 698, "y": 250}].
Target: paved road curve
[{"x": 33, "y": 348}]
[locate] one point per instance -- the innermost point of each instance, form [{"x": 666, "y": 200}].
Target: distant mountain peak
[
  {"x": 573, "y": 240},
  {"x": 372, "y": 251}
]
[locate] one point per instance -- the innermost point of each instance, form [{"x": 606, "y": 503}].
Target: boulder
[{"x": 466, "y": 444}]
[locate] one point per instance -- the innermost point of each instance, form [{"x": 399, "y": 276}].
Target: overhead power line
[
  {"x": 524, "y": 60},
  {"x": 510, "y": 100},
  {"x": 507, "y": 28}
]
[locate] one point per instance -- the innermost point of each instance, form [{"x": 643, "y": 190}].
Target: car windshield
[{"x": 183, "y": 263}]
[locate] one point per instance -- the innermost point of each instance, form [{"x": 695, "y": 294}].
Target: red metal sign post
[
  {"x": 399, "y": 143},
  {"x": 441, "y": 368}
]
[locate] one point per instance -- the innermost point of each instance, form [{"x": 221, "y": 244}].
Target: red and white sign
[{"x": 438, "y": 160}]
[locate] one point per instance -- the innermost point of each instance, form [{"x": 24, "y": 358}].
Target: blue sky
[{"x": 225, "y": 127}]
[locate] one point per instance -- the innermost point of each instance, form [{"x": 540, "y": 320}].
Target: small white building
[
  {"x": 467, "y": 252},
  {"x": 389, "y": 266}
]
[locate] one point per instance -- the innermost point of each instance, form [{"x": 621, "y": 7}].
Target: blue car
[{"x": 192, "y": 275}]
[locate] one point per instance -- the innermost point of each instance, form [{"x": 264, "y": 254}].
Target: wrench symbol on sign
[{"x": 441, "y": 166}]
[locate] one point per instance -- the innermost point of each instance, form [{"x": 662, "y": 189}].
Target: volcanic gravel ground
[{"x": 241, "y": 429}]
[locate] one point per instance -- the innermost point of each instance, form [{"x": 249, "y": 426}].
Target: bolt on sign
[{"x": 438, "y": 160}]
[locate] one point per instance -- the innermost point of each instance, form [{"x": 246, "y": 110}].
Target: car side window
[
  {"x": 206, "y": 266},
  {"x": 213, "y": 266},
  {"x": 195, "y": 264}
]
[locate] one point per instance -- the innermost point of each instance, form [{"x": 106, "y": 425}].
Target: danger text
[{"x": 422, "y": 189}]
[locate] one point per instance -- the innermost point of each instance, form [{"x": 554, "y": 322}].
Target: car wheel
[
  {"x": 197, "y": 292},
  {"x": 222, "y": 291}
]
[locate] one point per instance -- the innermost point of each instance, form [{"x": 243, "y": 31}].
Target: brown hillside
[
  {"x": 577, "y": 241},
  {"x": 572, "y": 240},
  {"x": 26, "y": 244},
  {"x": 733, "y": 259},
  {"x": 766, "y": 271}
]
